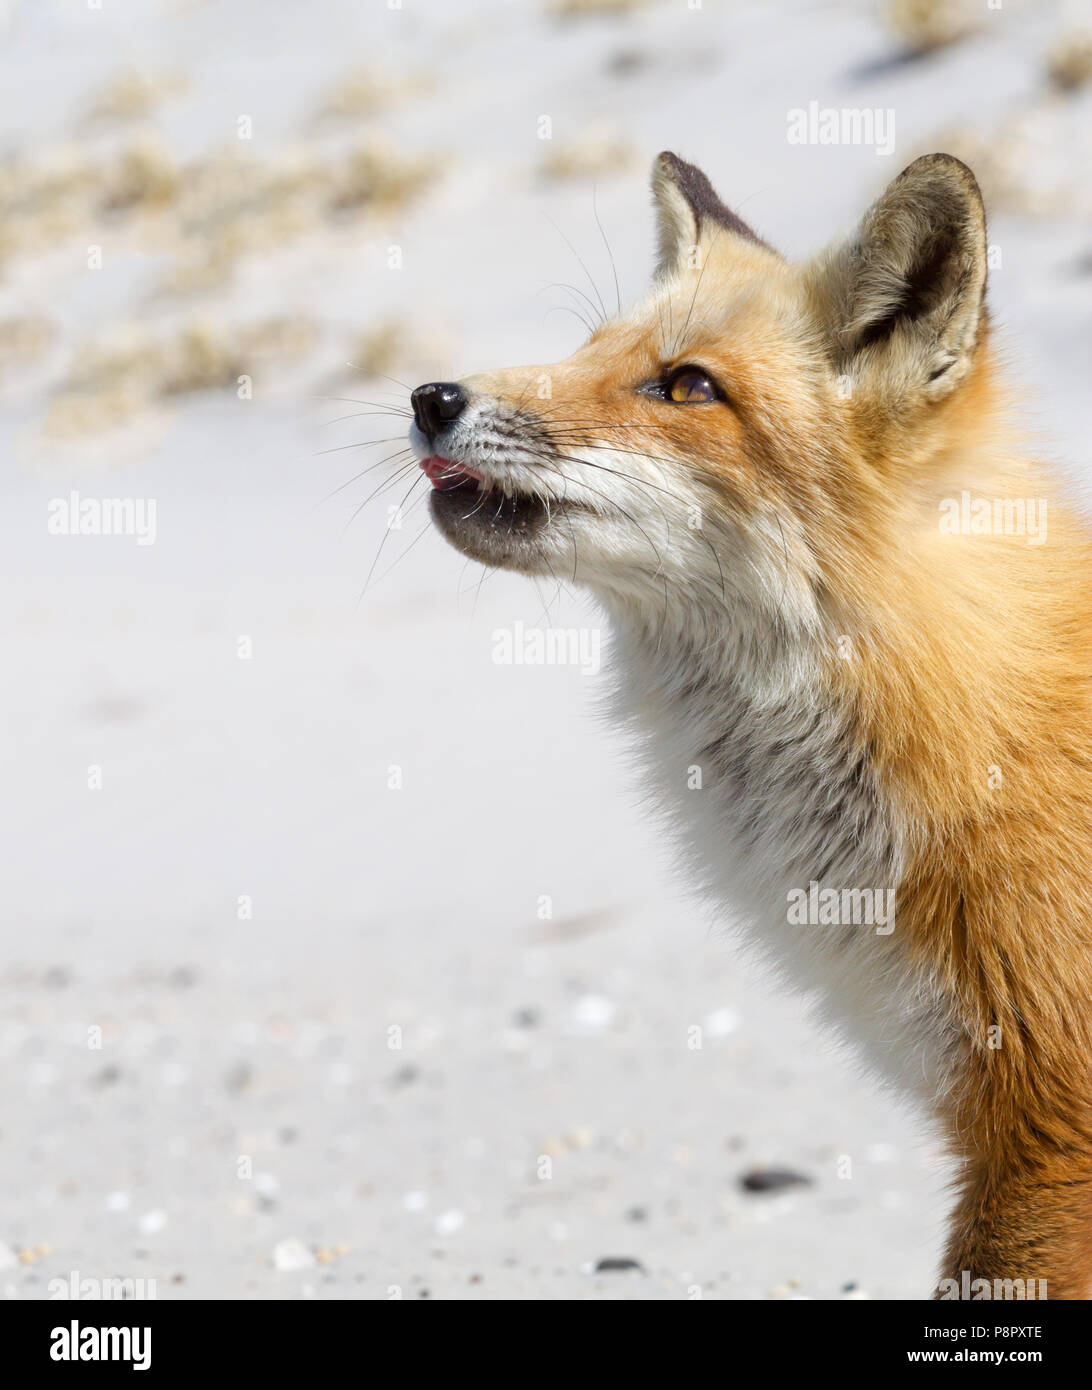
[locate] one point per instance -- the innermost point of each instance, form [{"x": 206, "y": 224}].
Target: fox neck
[
  {"x": 748, "y": 720},
  {"x": 755, "y": 755}
]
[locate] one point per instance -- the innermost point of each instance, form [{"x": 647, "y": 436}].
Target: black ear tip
[{"x": 689, "y": 181}]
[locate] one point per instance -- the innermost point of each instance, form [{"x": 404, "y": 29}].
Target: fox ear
[
  {"x": 906, "y": 293},
  {"x": 686, "y": 204}
]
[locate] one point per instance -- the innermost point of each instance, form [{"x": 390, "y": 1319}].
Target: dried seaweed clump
[
  {"x": 133, "y": 369},
  {"x": 927, "y": 25},
  {"x": 1069, "y": 64}
]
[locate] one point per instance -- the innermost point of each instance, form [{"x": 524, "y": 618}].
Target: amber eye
[{"x": 690, "y": 386}]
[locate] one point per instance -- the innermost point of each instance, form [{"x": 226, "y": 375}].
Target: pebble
[
  {"x": 290, "y": 1255},
  {"x": 721, "y": 1022},
  {"x": 449, "y": 1222},
  {"x": 773, "y": 1180},
  {"x": 117, "y": 1201},
  {"x": 8, "y": 1259},
  {"x": 593, "y": 1013},
  {"x": 615, "y": 1264},
  {"x": 152, "y": 1221}
]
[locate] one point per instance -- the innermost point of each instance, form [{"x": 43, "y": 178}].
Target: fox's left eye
[{"x": 688, "y": 386}]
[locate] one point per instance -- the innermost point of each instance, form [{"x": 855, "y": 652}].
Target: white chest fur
[{"x": 770, "y": 794}]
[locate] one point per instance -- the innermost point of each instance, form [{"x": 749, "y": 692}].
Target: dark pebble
[
  {"x": 772, "y": 1180},
  {"x": 614, "y": 1264}
]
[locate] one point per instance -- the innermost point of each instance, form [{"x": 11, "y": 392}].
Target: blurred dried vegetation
[
  {"x": 927, "y": 25},
  {"x": 1069, "y": 63},
  {"x": 199, "y": 225},
  {"x": 196, "y": 222}
]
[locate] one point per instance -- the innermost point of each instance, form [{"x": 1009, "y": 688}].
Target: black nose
[{"x": 436, "y": 405}]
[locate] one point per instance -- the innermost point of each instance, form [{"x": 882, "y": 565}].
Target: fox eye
[{"x": 689, "y": 386}]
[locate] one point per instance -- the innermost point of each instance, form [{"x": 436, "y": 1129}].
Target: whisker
[
  {"x": 385, "y": 377},
  {"x": 427, "y": 527},
  {"x": 610, "y": 256},
  {"x": 386, "y": 535},
  {"x": 383, "y": 486},
  {"x": 356, "y": 415},
  {"x": 572, "y": 289},
  {"x": 380, "y": 405},
  {"x": 364, "y": 444},
  {"x": 363, "y": 473},
  {"x": 568, "y": 309},
  {"x": 486, "y": 572},
  {"x": 583, "y": 267}
]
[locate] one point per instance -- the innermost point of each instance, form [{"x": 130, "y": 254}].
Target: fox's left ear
[
  {"x": 905, "y": 295},
  {"x": 686, "y": 206}
]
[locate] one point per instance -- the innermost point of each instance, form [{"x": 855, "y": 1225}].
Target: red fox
[{"x": 852, "y": 632}]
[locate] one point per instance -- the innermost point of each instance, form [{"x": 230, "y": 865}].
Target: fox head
[{"x": 749, "y": 435}]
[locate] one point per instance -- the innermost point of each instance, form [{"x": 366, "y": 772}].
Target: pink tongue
[{"x": 444, "y": 475}]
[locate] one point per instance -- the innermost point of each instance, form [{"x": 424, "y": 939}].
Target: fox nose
[{"x": 436, "y": 405}]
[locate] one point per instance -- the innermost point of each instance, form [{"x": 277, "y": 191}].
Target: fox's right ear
[{"x": 686, "y": 205}]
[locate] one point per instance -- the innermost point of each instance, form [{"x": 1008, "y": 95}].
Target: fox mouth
[
  {"x": 446, "y": 475},
  {"x": 482, "y": 519}
]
